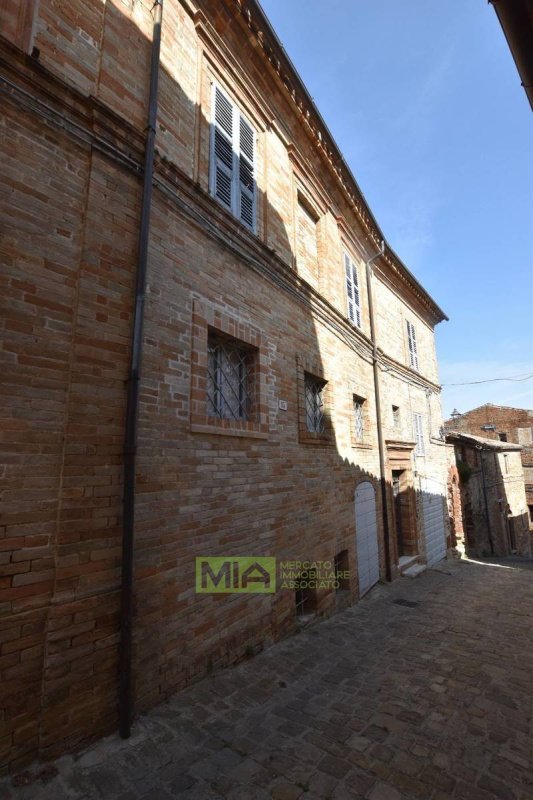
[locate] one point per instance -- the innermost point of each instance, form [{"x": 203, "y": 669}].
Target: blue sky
[{"x": 424, "y": 101}]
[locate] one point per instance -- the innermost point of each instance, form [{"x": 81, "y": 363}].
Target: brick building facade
[
  {"x": 258, "y": 425},
  {"x": 490, "y": 514},
  {"x": 504, "y": 424}
]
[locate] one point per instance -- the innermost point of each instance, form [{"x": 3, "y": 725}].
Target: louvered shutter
[
  {"x": 418, "y": 430},
  {"x": 411, "y": 338},
  {"x": 352, "y": 291},
  {"x": 222, "y": 165},
  {"x": 246, "y": 174}
]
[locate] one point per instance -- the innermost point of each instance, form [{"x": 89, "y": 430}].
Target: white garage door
[
  {"x": 433, "y": 508},
  {"x": 366, "y": 537}
]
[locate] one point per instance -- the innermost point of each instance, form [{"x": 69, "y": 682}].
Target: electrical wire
[{"x": 527, "y": 377}]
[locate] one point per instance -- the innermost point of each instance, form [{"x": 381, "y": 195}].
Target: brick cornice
[{"x": 255, "y": 24}]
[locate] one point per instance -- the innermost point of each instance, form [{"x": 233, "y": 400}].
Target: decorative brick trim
[
  {"x": 313, "y": 367},
  {"x": 207, "y": 317}
]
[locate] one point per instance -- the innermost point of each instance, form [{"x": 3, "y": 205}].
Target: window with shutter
[
  {"x": 233, "y": 159},
  {"x": 418, "y": 431},
  {"x": 411, "y": 339},
  {"x": 352, "y": 291}
]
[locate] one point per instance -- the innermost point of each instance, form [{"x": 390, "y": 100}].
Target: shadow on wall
[
  {"x": 197, "y": 493},
  {"x": 487, "y": 497}
]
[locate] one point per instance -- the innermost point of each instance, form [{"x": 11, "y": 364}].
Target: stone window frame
[
  {"x": 311, "y": 367},
  {"x": 206, "y": 319}
]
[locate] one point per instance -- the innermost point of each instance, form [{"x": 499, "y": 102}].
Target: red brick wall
[
  {"x": 506, "y": 420},
  {"x": 70, "y": 204}
]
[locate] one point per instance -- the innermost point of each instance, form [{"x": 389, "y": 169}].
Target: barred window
[
  {"x": 314, "y": 403},
  {"x": 230, "y": 378},
  {"x": 358, "y": 418}
]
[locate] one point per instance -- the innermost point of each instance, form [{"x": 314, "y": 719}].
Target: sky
[{"x": 424, "y": 100}]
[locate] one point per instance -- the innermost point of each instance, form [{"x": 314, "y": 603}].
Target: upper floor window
[
  {"x": 418, "y": 430},
  {"x": 352, "y": 291},
  {"x": 232, "y": 159},
  {"x": 306, "y": 239},
  {"x": 396, "y": 416},
  {"x": 411, "y": 340}
]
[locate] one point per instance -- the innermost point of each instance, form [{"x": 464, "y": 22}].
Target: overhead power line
[{"x": 515, "y": 378}]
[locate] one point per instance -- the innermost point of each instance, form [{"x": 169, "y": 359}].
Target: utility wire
[{"x": 491, "y": 380}]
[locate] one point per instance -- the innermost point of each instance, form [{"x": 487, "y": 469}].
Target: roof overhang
[{"x": 516, "y": 19}]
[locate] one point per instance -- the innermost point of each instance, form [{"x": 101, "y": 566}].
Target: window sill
[
  {"x": 361, "y": 446},
  {"x": 323, "y": 439},
  {"x": 223, "y": 427}
]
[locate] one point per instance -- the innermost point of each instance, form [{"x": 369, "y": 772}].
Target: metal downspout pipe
[
  {"x": 125, "y": 705},
  {"x": 383, "y": 479}
]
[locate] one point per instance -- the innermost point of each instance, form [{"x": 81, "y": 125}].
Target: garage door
[
  {"x": 366, "y": 537},
  {"x": 433, "y": 510}
]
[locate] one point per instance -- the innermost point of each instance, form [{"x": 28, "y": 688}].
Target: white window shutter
[
  {"x": 352, "y": 291},
  {"x": 418, "y": 430},
  {"x": 411, "y": 338},
  {"x": 246, "y": 173},
  {"x": 222, "y": 151}
]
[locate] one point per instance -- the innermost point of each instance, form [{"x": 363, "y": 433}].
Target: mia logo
[{"x": 237, "y": 574}]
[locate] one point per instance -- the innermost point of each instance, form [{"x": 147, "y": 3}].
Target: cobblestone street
[{"x": 422, "y": 690}]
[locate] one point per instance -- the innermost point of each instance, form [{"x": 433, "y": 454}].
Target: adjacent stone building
[
  {"x": 493, "y": 515},
  {"x": 504, "y": 424},
  {"x": 267, "y": 332}
]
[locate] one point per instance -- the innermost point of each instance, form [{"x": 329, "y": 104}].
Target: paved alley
[{"x": 422, "y": 690}]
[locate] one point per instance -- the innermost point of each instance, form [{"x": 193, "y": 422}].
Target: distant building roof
[
  {"x": 480, "y": 441},
  {"x": 516, "y": 19}
]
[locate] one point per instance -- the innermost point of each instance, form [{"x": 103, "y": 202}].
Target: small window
[
  {"x": 411, "y": 340},
  {"x": 314, "y": 404},
  {"x": 530, "y": 508},
  {"x": 352, "y": 291},
  {"x": 342, "y": 571},
  {"x": 230, "y": 378},
  {"x": 232, "y": 159},
  {"x": 358, "y": 419},
  {"x": 502, "y": 437},
  {"x": 396, "y": 416},
  {"x": 305, "y": 601},
  {"x": 418, "y": 430}
]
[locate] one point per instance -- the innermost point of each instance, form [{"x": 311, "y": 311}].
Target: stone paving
[{"x": 430, "y": 699}]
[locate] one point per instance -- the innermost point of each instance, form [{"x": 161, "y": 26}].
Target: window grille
[
  {"x": 314, "y": 404},
  {"x": 229, "y": 379},
  {"x": 358, "y": 419}
]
